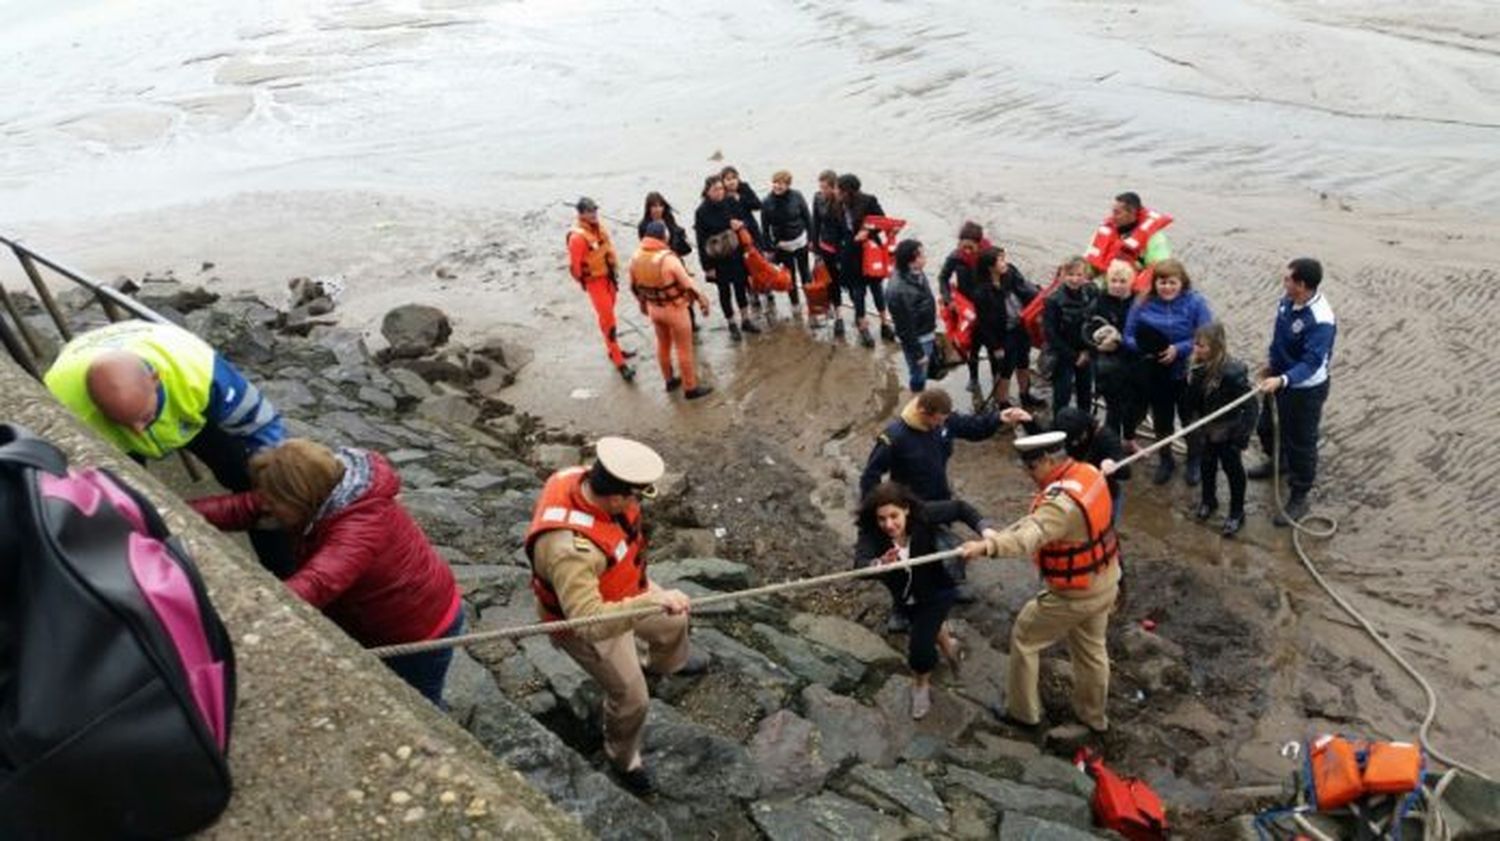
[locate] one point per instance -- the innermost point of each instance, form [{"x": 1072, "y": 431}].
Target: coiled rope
[{"x": 1299, "y": 528}]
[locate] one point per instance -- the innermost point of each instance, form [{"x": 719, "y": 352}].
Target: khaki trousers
[
  {"x": 614, "y": 664},
  {"x": 1047, "y": 619}
]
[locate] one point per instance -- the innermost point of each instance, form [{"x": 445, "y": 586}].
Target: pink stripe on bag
[
  {"x": 85, "y": 488},
  {"x": 170, "y": 594}
]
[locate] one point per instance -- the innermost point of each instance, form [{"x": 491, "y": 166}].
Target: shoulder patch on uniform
[
  {"x": 581, "y": 542},
  {"x": 883, "y": 438}
]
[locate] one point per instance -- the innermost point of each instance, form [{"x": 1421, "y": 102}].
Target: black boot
[
  {"x": 1164, "y": 469},
  {"x": 1193, "y": 473}
]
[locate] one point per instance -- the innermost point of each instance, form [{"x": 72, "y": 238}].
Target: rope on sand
[{"x": 1299, "y": 528}]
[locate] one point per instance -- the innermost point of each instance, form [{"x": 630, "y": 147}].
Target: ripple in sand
[
  {"x": 120, "y": 128},
  {"x": 247, "y": 71}
]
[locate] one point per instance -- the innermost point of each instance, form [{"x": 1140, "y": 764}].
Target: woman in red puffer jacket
[{"x": 361, "y": 558}]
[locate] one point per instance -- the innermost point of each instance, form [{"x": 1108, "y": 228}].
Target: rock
[
  {"x": 441, "y": 505},
  {"x": 690, "y": 543},
  {"x": 410, "y": 382},
  {"x": 842, "y": 635},
  {"x": 244, "y": 340},
  {"x": 377, "y": 398},
  {"x": 1066, "y": 739},
  {"x": 984, "y": 670},
  {"x": 1017, "y": 826},
  {"x": 993, "y": 755},
  {"x": 468, "y": 686},
  {"x": 1058, "y": 775},
  {"x": 347, "y": 346},
  {"x": 450, "y": 408},
  {"x": 348, "y": 427},
  {"x": 847, "y": 728},
  {"x": 949, "y": 719},
  {"x": 825, "y": 816},
  {"x": 546, "y": 762},
  {"x": 1137, "y": 643},
  {"x": 431, "y": 370},
  {"x": 810, "y": 661},
  {"x": 730, "y": 654},
  {"x": 697, "y": 769},
  {"x": 406, "y": 456},
  {"x": 481, "y": 482},
  {"x": 568, "y": 682},
  {"x": 714, "y": 573},
  {"x": 509, "y": 355},
  {"x": 485, "y": 584},
  {"x": 787, "y": 754},
  {"x": 415, "y": 330},
  {"x": 1008, "y": 796},
  {"x": 554, "y": 457},
  {"x": 157, "y": 294},
  {"x": 906, "y": 788},
  {"x": 288, "y": 395}
]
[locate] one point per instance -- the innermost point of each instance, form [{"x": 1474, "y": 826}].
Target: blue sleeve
[
  {"x": 239, "y": 409},
  {"x": 1316, "y": 346},
  {"x": 1201, "y": 316},
  {"x": 1132, "y": 318},
  {"x": 973, "y": 427}
]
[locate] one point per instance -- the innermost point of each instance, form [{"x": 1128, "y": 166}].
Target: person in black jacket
[
  {"x": 737, "y": 192},
  {"x": 1117, "y": 370},
  {"x": 1215, "y": 379},
  {"x": 1001, "y": 293},
  {"x": 958, "y": 269},
  {"x": 857, "y": 205},
  {"x": 788, "y": 223},
  {"x": 895, "y": 525},
  {"x": 720, "y": 253},
  {"x": 658, "y": 209},
  {"x": 913, "y": 311},
  {"x": 1063, "y": 316},
  {"x": 828, "y": 236}
]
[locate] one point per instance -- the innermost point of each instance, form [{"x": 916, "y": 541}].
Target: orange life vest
[
  {"x": 1108, "y": 245},
  {"x": 562, "y": 506},
  {"x": 765, "y": 276},
  {"x": 600, "y": 258},
  {"x": 1071, "y": 566},
  {"x": 878, "y": 254},
  {"x": 648, "y": 275}
]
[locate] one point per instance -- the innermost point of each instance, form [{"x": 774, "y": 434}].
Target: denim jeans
[
  {"x": 428, "y": 670},
  {"x": 916, "y": 361}
]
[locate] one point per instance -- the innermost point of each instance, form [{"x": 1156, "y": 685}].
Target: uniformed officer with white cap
[
  {"x": 587, "y": 551},
  {"x": 1069, "y": 535}
]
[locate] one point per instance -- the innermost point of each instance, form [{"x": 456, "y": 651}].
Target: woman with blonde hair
[{"x": 361, "y": 558}]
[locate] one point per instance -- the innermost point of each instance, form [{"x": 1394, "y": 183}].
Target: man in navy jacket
[{"x": 1296, "y": 377}]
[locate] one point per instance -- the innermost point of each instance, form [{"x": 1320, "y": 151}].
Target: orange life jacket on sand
[
  {"x": 817, "y": 291},
  {"x": 648, "y": 274},
  {"x": 959, "y": 318},
  {"x": 1127, "y": 806},
  {"x": 765, "y": 276},
  {"x": 1071, "y": 566},
  {"x": 1341, "y": 771},
  {"x": 1108, "y": 245},
  {"x": 562, "y": 506},
  {"x": 878, "y": 253},
  {"x": 600, "y": 259}
]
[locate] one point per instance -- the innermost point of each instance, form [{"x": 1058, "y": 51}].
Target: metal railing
[{"x": 22, "y": 341}]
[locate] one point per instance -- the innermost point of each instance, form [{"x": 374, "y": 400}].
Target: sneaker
[
  {"x": 838, "y": 328},
  {"x": 1204, "y": 511},
  {"x": 627, "y": 373},
  {"x": 921, "y": 702},
  {"x": 1232, "y": 524},
  {"x": 698, "y": 391},
  {"x": 637, "y": 781},
  {"x": 898, "y": 623},
  {"x": 674, "y": 384},
  {"x": 1164, "y": 470},
  {"x": 1260, "y": 471},
  {"x": 748, "y": 326},
  {"x": 1031, "y": 401},
  {"x": 865, "y": 338},
  {"x": 1193, "y": 473},
  {"x": 1296, "y": 508},
  {"x": 887, "y": 332},
  {"x": 734, "y": 332}
]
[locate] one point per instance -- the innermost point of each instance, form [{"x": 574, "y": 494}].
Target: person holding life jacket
[
  {"x": 152, "y": 389},
  {"x": 587, "y": 548},
  {"x": 717, "y": 224},
  {"x": 1069, "y": 536},
  {"x": 666, "y": 293},
  {"x": 828, "y": 236},
  {"x": 1132, "y": 233},
  {"x": 1001, "y": 293},
  {"x": 787, "y": 222},
  {"x": 857, "y": 205},
  {"x": 594, "y": 264}
]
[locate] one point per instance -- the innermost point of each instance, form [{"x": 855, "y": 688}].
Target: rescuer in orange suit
[{"x": 594, "y": 264}]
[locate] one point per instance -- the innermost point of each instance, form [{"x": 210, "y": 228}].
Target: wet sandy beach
[{"x": 384, "y": 141}]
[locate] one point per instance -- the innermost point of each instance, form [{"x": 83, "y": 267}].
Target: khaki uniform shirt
[
  {"x": 1058, "y": 518},
  {"x": 573, "y": 564}
]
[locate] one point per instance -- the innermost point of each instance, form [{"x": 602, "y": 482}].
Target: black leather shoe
[
  {"x": 674, "y": 384},
  {"x": 748, "y": 326},
  {"x": 1003, "y": 716},
  {"x": 1232, "y": 525},
  {"x": 887, "y": 333},
  {"x": 1203, "y": 511},
  {"x": 698, "y": 391},
  {"x": 1296, "y": 509},
  {"x": 637, "y": 781},
  {"x": 1164, "y": 470},
  {"x": 1259, "y": 471},
  {"x": 1193, "y": 473},
  {"x": 627, "y": 373}
]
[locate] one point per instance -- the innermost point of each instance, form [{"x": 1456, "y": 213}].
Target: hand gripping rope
[{"x": 1305, "y": 526}]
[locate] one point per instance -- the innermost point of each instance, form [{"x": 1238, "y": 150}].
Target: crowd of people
[{"x": 1122, "y": 321}]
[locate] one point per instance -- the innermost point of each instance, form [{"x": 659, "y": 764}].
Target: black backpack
[{"x": 116, "y": 675}]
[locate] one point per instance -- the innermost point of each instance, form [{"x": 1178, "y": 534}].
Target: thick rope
[{"x": 653, "y": 610}]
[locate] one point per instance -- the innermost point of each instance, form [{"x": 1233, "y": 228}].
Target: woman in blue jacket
[{"x": 1160, "y": 328}]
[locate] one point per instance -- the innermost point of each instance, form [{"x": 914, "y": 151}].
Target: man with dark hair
[
  {"x": 1131, "y": 232},
  {"x": 588, "y": 558},
  {"x": 914, "y": 450},
  {"x": 1296, "y": 377},
  {"x": 593, "y": 263}
]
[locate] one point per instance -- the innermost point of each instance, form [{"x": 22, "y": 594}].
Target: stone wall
[{"x": 327, "y": 743}]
